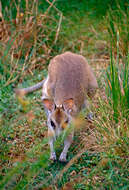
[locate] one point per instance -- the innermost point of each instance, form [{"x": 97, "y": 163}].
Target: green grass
[
  {"x": 98, "y": 157},
  {"x": 118, "y": 23},
  {"x": 118, "y": 85}
]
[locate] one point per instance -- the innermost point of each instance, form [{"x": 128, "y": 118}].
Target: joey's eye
[{"x": 53, "y": 124}]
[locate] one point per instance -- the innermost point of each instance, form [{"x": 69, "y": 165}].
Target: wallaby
[{"x": 64, "y": 92}]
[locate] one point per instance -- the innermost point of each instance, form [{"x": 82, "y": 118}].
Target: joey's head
[{"x": 59, "y": 116}]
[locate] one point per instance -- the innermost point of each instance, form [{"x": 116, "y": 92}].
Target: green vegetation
[{"x": 31, "y": 33}]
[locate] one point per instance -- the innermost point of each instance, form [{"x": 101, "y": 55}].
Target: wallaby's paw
[
  {"x": 53, "y": 156},
  {"x": 62, "y": 158},
  {"x": 90, "y": 116}
]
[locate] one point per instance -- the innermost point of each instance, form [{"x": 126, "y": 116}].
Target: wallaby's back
[{"x": 70, "y": 77}]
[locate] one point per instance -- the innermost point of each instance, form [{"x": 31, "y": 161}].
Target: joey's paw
[
  {"x": 62, "y": 158},
  {"x": 53, "y": 156}
]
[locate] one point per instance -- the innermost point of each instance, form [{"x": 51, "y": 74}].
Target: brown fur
[
  {"x": 70, "y": 77},
  {"x": 59, "y": 115}
]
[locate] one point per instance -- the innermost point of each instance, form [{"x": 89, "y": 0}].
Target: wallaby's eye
[
  {"x": 67, "y": 121},
  {"x": 53, "y": 124}
]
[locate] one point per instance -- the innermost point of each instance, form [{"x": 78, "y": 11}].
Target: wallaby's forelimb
[
  {"x": 24, "y": 91},
  {"x": 67, "y": 143}
]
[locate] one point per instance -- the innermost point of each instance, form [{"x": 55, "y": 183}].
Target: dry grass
[{"x": 28, "y": 36}]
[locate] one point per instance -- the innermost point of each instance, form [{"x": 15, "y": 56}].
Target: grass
[
  {"x": 118, "y": 90},
  {"x": 118, "y": 22},
  {"x": 98, "y": 157}
]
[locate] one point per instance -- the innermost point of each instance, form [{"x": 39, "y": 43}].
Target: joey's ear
[
  {"x": 48, "y": 104},
  {"x": 68, "y": 104}
]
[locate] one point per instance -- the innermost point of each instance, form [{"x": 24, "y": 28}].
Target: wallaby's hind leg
[
  {"x": 90, "y": 115},
  {"x": 92, "y": 87},
  {"x": 67, "y": 144}
]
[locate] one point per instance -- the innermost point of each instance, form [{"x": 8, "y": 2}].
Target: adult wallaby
[{"x": 64, "y": 91}]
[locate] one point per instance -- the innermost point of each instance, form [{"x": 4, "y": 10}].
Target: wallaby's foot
[
  {"x": 63, "y": 157},
  {"x": 90, "y": 116},
  {"x": 53, "y": 156}
]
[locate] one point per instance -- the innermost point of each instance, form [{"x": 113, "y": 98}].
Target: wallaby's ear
[
  {"x": 68, "y": 104},
  {"x": 48, "y": 104}
]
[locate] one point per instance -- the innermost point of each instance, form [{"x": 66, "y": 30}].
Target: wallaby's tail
[{"x": 23, "y": 91}]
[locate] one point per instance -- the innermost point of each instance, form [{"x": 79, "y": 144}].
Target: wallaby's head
[{"x": 59, "y": 116}]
